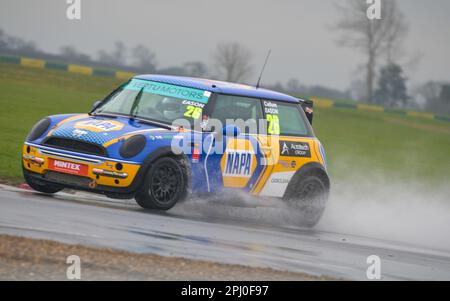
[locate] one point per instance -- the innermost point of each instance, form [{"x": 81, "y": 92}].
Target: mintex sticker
[
  {"x": 68, "y": 167},
  {"x": 169, "y": 90}
]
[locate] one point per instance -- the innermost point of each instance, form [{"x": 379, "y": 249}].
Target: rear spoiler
[{"x": 308, "y": 108}]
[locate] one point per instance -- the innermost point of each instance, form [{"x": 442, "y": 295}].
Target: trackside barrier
[
  {"x": 72, "y": 68},
  {"x": 80, "y": 69},
  {"x": 32, "y": 62},
  {"x": 328, "y": 103},
  {"x": 125, "y": 75}
]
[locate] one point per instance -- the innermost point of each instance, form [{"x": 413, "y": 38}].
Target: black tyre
[
  {"x": 41, "y": 186},
  {"x": 164, "y": 185},
  {"x": 308, "y": 195}
]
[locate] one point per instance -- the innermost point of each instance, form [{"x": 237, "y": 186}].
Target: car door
[
  {"x": 289, "y": 144},
  {"x": 232, "y": 159}
]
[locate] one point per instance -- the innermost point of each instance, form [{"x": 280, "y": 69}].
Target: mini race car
[{"x": 158, "y": 138}]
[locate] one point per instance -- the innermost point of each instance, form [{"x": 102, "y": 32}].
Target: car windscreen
[{"x": 156, "y": 101}]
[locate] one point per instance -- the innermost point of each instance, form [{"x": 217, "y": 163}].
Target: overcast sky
[{"x": 299, "y": 32}]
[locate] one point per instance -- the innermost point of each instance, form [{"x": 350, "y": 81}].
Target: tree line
[
  {"x": 380, "y": 80},
  {"x": 383, "y": 79}
]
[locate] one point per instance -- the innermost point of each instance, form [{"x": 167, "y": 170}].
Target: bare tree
[
  {"x": 144, "y": 58},
  {"x": 195, "y": 69},
  {"x": 395, "y": 34},
  {"x": 373, "y": 38},
  {"x": 16, "y": 43},
  {"x": 232, "y": 62},
  {"x": 70, "y": 53},
  {"x": 433, "y": 96},
  {"x": 120, "y": 52},
  {"x": 115, "y": 57},
  {"x": 3, "y": 44},
  {"x": 293, "y": 85}
]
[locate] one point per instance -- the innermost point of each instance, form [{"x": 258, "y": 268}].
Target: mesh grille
[
  {"x": 76, "y": 145},
  {"x": 68, "y": 179}
]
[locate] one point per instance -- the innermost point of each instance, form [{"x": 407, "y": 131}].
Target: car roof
[{"x": 220, "y": 87}]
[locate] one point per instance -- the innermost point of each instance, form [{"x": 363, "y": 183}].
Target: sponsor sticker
[
  {"x": 157, "y": 137},
  {"x": 279, "y": 181},
  {"x": 76, "y": 133},
  {"x": 99, "y": 125},
  {"x": 68, "y": 167},
  {"x": 295, "y": 149},
  {"x": 238, "y": 164},
  {"x": 169, "y": 90},
  {"x": 287, "y": 164}
]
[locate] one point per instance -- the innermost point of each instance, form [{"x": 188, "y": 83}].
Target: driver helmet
[{"x": 170, "y": 108}]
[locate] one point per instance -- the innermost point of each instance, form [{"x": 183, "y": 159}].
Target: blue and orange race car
[{"x": 158, "y": 138}]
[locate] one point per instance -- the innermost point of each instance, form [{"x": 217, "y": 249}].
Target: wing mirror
[{"x": 308, "y": 108}]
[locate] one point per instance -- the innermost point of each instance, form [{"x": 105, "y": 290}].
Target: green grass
[
  {"x": 398, "y": 147},
  {"x": 357, "y": 142},
  {"x": 28, "y": 94}
]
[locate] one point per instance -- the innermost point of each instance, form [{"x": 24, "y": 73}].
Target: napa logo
[
  {"x": 99, "y": 125},
  {"x": 238, "y": 164}
]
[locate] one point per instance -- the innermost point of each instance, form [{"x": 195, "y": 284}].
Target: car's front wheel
[
  {"x": 308, "y": 195},
  {"x": 164, "y": 185}
]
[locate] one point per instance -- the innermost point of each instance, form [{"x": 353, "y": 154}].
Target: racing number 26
[
  {"x": 273, "y": 124},
  {"x": 193, "y": 112}
]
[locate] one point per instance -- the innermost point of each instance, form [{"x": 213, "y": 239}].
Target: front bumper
[{"x": 98, "y": 174}]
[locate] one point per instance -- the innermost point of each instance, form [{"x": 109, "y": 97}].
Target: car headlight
[
  {"x": 39, "y": 129},
  {"x": 132, "y": 146}
]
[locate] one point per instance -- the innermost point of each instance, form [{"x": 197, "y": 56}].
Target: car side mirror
[
  {"x": 308, "y": 108},
  {"x": 231, "y": 130},
  {"x": 96, "y": 104}
]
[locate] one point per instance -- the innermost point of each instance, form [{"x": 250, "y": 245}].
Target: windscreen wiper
[
  {"x": 101, "y": 114},
  {"x": 152, "y": 122},
  {"x": 135, "y": 106}
]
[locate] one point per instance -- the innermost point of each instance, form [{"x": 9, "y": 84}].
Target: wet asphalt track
[{"x": 215, "y": 232}]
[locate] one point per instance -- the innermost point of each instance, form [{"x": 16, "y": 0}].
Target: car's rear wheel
[
  {"x": 308, "y": 195},
  {"x": 164, "y": 185},
  {"x": 41, "y": 186}
]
